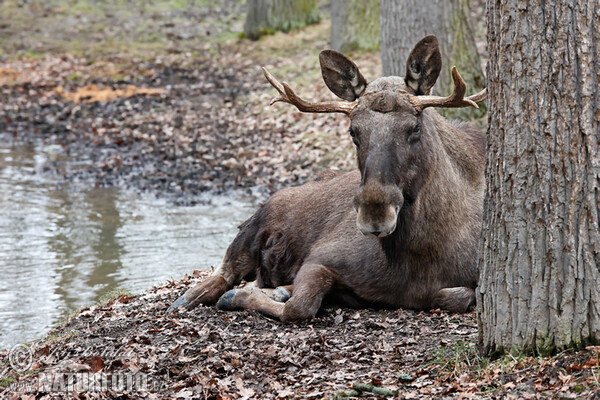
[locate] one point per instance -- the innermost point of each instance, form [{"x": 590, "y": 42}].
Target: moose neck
[{"x": 436, "y": 216}]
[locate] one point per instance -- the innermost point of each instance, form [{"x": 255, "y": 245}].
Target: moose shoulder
[{"x": 401, "y": 231}]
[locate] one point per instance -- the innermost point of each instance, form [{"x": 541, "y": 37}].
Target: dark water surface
[{"x": 63, "y": 245}]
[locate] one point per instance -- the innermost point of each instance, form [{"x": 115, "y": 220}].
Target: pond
[{"x": 64, "y": 245}]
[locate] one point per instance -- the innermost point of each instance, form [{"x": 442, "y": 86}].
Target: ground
[
  {"x": 210, "y": 354},
  {"x": 164, "y": 97}
]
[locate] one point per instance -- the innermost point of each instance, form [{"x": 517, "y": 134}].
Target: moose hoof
[
  {"x": 228, "y": 301},
  {"x": 281, "y": 294},
  {"x": 180, "y": 302},
  {"x": 206, "y": 292}
]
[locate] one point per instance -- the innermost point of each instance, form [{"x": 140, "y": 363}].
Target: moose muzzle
[{"x": 377, "y": 209}]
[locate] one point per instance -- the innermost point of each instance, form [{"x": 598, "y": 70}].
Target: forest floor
[
  {"x": 342, "y": 353},
  {"x": 164, "y": 97}
]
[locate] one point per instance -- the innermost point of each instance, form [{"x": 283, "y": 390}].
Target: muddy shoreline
[
  {"x": 187, "y": 117},
  {"x": 178, "y": 144}
]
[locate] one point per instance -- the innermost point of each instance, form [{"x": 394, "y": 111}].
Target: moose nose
[
  {"x": 377, "y": 232},
  {"x": 378, "y": 219},
  {"x": 377, "y": 222},
  {"x": 377, "y": 208}
]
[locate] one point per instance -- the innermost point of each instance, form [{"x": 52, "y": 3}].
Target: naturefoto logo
[
  {"x": 87, "y": 382},
  {"x": 20, "y": 357}
]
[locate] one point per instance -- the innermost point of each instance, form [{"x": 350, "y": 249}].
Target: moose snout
[
  {"x": 380, "y": 222},
  {"x": 377, "y": 210}
]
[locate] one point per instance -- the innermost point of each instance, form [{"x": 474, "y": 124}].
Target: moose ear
[
  {"x": 423, "y": 65},
  {"x": 341, "y": 75}
]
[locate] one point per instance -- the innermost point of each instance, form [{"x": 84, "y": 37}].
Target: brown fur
[{"x": 418, "y": 193}]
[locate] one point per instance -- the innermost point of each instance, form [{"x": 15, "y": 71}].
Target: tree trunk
[
  {"x": 267, "y": 16},
  {"x": 540, "y": 249},
  {"x": 404, "y": 23},
  {"x": 354, "y": 25}
]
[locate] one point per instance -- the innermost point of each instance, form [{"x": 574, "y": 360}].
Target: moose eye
[
  {"x": 415, "y": 135},
  {"x": 354, "y": 137}
]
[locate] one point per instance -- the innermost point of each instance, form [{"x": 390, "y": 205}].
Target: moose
[{"x": 401, "y": 231}]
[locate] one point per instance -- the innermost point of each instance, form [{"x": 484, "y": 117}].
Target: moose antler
[
  {"x": 456, "y": 99},
  {"x": 287, "y": 95}
]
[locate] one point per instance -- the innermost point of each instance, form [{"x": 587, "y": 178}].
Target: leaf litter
[{"x": 209, "y": 354}]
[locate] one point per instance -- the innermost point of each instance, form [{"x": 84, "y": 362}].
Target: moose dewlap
[{"x": 401, "y": 231}]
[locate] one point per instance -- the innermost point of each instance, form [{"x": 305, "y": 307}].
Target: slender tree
[
  {"x": 354, "y": 25},
  {"x": 404, "y": 23},
  {"x": 267, "y": 16},
  {"x": 540, "y": 249}
]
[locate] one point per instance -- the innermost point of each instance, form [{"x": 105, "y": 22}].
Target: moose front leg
[
  {"x": 250, "y": 299},
  {"x": 230, "y": 273},
  {"x": 268, "y": 301},
  {"x": 206, "y": 292},
  {"x": 311, "y": 285},
  {"x": 280, "y": 294}
]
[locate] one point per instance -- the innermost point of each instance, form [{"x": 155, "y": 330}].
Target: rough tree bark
[
  {"x": 354, "y": 25},
  {"x": 267, "y": 16},
  {"x": 404, "y": 23},
  {"x": 540, "y": 250}
]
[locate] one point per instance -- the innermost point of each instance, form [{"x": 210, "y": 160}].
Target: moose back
[{"x": 401, "y": 231}]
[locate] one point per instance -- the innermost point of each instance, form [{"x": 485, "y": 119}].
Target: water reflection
[
  {"x": 83, "y": 239},
  {"x": 62, "y": 247}
]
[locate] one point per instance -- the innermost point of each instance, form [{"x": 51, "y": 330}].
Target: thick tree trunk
[
  {"x": 540, "y": 250},
  {"x": 404, "y": 23},
  {"x": 354, "y": 25},
  {"x": 267, "y": 16}
]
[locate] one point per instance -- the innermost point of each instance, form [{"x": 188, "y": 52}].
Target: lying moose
[{"x": 402, "y": 231}]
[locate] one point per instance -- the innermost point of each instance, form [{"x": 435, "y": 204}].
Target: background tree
[
  {"x": 267, "y": 16},
  {"x": 540, "y": 251},
  {"x": 404, "y": 23},
  {"x": 354, "y": 25}
]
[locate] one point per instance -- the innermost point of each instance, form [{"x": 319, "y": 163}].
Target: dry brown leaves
[
  {"x": 206, "y": 353},
  {"x": 209, "y": 354},
  {"x": 91, "y": 93}
]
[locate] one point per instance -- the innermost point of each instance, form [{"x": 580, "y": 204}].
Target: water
[{"x": 65, "y": 245}]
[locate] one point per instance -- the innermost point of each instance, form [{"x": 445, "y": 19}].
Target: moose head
[{"x": 394, "y": 133}]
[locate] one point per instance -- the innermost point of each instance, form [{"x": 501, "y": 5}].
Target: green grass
[
  {"x": 79, "y": 7},
  {"x": 462, "y": 358},
  {"x": 33, "y": 54},
  {"x": 74, "y": 77},
  {"x": 5, "y": 382},
  {"x": 58, "y": 336},
  {"x": 98, "y": 30},
  {"x": 112, "y": 296}
]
